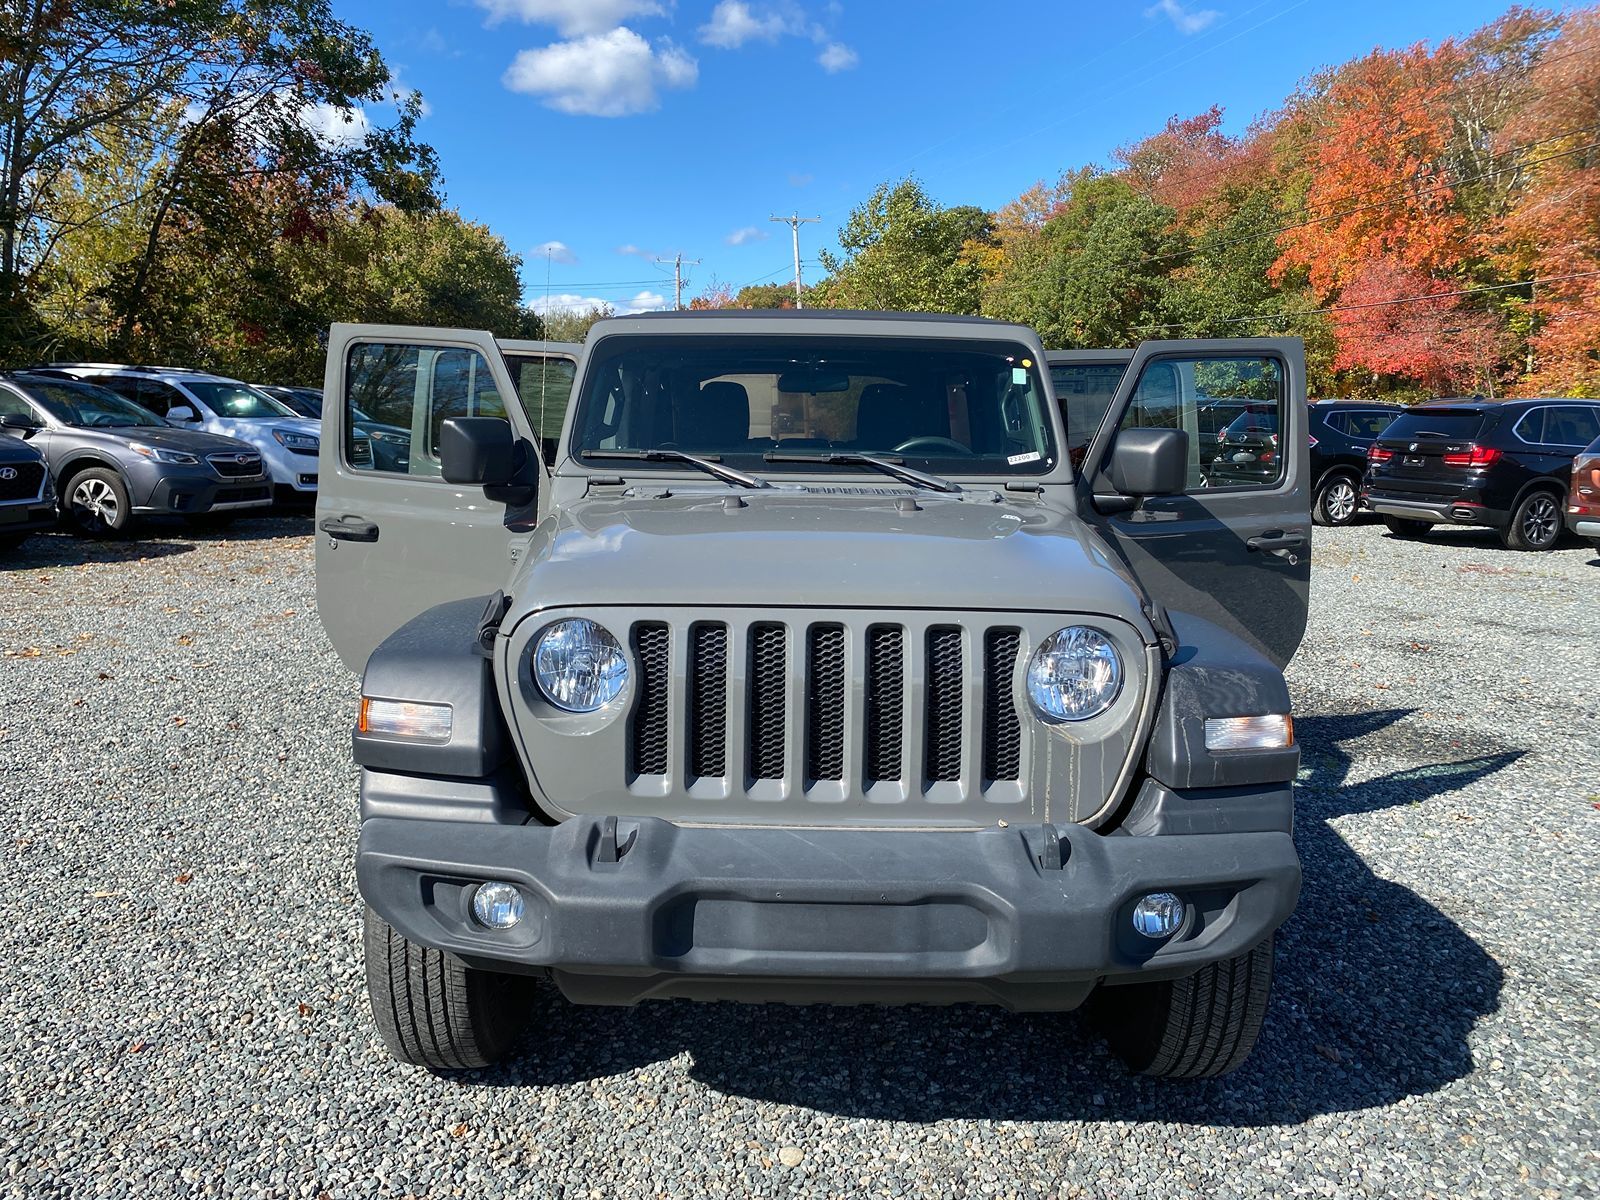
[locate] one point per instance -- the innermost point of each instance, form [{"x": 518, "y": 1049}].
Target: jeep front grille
[{"x": 851, "y": 705}]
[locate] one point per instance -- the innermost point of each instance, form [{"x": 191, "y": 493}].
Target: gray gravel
[{"x": 184, "y": 992}]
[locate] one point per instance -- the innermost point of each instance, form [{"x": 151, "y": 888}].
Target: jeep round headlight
[
  {"x": 578, "y": 665},
  {"x": 1075, "y": 674}
]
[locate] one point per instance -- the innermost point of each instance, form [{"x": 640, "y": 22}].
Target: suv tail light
[
  {"x": 1478, "y": 456},
  {"x": 1585, "y": 497},
  {"x": 1377, "y": 454}
]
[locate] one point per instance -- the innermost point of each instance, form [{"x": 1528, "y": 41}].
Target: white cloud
[
  {"x": 733, "y": 23},
  {"x": 800, "y": 179},
  {"x": 574, "y": 302},
  {"x": 1186, "y": 20},
  {"x": 636, "y": 251},
  {"x": 603, "y": 75},
  {"x": 838, "y": 57},
  {"x": 556, "y": 252},
  {"x": 335, "y": 127},
  {"x": 750, "y": 233},
  {"x": 572, "y": 18}
]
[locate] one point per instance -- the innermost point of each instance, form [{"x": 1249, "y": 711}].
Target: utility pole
[
  {"x": 794, "y": 222},
  {"x": 677, "y": 277}
]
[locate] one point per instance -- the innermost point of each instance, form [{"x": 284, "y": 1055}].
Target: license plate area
[{"x": 13, "y": 515}]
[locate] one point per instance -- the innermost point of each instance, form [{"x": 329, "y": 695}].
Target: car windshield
[
  {"x": 952, "y": 407},
  {"x": 1454, "y": 424},
  {"x": 238, "y": 400},
  {"x": 305, "y": 402},
  {"x": 1254, "y": 421},
  {"x": 90, "y": 407}
]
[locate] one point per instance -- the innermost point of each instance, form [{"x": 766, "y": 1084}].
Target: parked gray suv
[
  {"x": 811, "y": 670},
  {"x": 113, "y": 461}
]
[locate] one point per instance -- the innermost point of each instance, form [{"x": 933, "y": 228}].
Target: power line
[
  {"x": 1333, "y": 308},
  {"x": 794, "y": 222}
]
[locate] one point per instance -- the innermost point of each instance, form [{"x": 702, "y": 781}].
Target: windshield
[
  {"x": 87, "y": 406},
  {"x": 1256, "y": 421},
  {"x": 304, "y": 401},
  {"x": 1456, "y": 425},
  {"x": 238, "y": 400},
  {"x": 948, "y": 407}
]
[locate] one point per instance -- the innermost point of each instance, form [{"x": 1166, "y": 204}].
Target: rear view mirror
[
  {"x": 479, "y": 450},
  {"x": 182, "y": 412},
  {"x": 1150, "y": 462},
  {"x": 811, "y": 380}
]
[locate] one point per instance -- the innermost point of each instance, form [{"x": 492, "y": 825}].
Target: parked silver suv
[{"x": 811, "y": 669}]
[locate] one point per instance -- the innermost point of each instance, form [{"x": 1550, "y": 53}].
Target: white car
[{"x": 197, "y": 400}]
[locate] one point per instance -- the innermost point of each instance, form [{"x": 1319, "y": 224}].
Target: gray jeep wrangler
[{"x": 789, "y": 657}]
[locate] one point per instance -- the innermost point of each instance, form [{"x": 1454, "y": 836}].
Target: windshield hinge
[
  {"x": 489, "y": 624},
  {"x": 1027, "y": 486}
]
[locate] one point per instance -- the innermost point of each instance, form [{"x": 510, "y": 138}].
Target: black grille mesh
[
  {"x": 825, "y": 690},
  {"x": 769, "y": 681},
  {"x": 708, "y": 701},
  {"x": 25, "y": 486},
  {"x": 1002, "y": 731},
  {"x": 944, "y": 704},
  {"x": 885, "y": 701},
  {"x": 648, "y": 744}
]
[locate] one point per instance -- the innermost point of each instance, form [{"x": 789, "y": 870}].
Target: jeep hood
[{"x": 797, "y": 548}]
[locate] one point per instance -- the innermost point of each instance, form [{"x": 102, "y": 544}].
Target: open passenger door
[
  {"x": 393, "y": 538},
  {"x": 1235, "y": 547}
]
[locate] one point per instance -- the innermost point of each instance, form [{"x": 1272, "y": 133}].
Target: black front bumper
[
  {"x": 622, "y": 910},
  {"x": 197, "y": 493},
  {"x": 27, "y": 516}
]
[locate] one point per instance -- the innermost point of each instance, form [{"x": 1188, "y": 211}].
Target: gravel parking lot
[{"x": 184, "y": 992}]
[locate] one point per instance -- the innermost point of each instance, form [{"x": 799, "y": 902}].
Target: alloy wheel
[
  {"x": 1341, "y": 501},
  {"x": 94, "y": 505},
  {"x": 1541, "y": 522}
]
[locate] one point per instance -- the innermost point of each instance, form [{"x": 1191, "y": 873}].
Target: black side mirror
[
  {"x": 19, "y": 421},
  {"x": 481, "y": 450},
  {"x": 1150, "y": 462}
]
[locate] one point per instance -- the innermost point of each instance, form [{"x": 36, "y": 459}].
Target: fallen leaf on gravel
[
  {"x": 138, "y": 1045},
  {"x": 105, "y": 675},
  {"x": 180, "y": 720},
  {"x": 104, "y": 895},
  {"x": 1329, "y": 1053},
  {"x": 1382, "y": 687},
  {"x": 184, "y": 878},
  {"x": 459, "y": 1131},
  {"x": 305, "y": 1009},
  {"x": 186, "y": 639}
]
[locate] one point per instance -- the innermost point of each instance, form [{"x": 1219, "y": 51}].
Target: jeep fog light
[
  {"x": 578, "y": 665},
  {"x": 1075, "y": 674},
  {"x": 405, "y": 719},
  {"x": 1275, "y": 731},
  {"x": 1158, "y": 915},
  {"x": 497, "y": 904}
]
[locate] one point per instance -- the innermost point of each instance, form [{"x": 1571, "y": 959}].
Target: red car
[{"x": 1583, "y": 497}]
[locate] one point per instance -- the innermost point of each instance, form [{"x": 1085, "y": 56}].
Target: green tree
[
  {"x": 1099, "y": 272},
  {"x": 572, "y": 324},
  {"x": 904, "y": 253}
]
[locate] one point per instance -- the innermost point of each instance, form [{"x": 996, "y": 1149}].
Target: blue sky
[{"x": 616, "y": 132}]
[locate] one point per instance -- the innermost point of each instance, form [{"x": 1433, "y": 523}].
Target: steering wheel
[
  {"x": 98, "y": 419},
  {"x": 929, "y": 444}
]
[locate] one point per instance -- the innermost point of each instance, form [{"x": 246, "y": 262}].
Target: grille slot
[
  {"x": 943, "y": 758},
  {"x": 769, "y": 682},
  {"x": 885, "y": 702},
  {"x": 1002, "y": 729},
  {"x": 648, "y": 738},
  {"x": 708, "y": 701},
  {"x": 825, "y": 702}
]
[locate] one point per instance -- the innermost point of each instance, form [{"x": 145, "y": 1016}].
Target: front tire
[
  {"x": 96, "y": 503},
  {"x": 1337, "y": 501},
  {"x": 1202, "y": 1025},
  {"x": 434, "y": 1011},
  {"x": 1535, "y": 523},
  {"x": 1403, "y": 527}
]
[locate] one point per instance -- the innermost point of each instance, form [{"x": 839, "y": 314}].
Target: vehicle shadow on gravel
[
  {"x": 1376, "y": 993},
  {"x": 156, "y": 538}
]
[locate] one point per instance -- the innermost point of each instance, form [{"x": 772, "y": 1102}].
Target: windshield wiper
[
  {"x": 889, "y": 466},
  {"x": 709, "y": 464}
]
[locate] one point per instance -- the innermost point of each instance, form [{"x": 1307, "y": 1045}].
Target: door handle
[
  {"x": 1276, "y": 540},
  {"x": 350, "y": 529}
]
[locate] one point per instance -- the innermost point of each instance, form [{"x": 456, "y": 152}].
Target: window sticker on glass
[
  {"x": 1019, "y": 376},
  {"x": 1018, "y": 459}
]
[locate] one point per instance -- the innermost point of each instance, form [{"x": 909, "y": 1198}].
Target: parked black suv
[
  {"x": 1503, "y": 464},
  {"x": 27, "y": 493},
  {"x": 1341, "y": 431}
]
